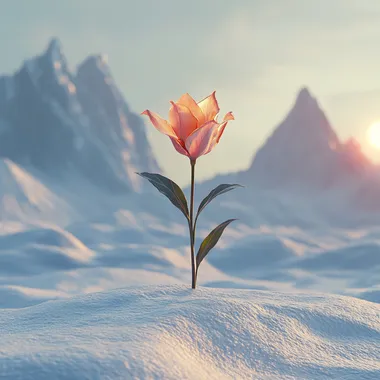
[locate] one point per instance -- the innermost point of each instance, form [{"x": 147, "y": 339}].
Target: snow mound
[
  {"x": 41, "y": 250},
  {"x": 13, "y": 296},
  {"x": 254, "y": 252},
  {"x": 24, "y": 198},
  {"x": 172, "y": 332},
  {"x": 358, "y": 257},
  {"x": 44, "y": 262}
]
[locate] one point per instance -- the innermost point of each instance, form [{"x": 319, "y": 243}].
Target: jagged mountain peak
[
  {"x": 95, "y": 74},
  {"x": 96, "y": 62},
  {"x": 307, "y": 113},
  {"x": 304, "y": 126},
  {"x": 305, "y": 149},
  {"x": 306, "y": 108},
  {"x": 54, "y": 48},
  {"x": 52, "y": 56},
  {"x": 58, "y": 121},
  {"x": 49, "y": 74},
  {"x": 55, "y": 56},
  {"x": 304, "y": 95}
]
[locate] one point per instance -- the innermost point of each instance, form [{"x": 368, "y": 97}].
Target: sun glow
[{"x": 373, "y": 134}]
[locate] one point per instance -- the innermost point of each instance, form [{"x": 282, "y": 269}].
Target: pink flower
[{"x": 192, "y": 127}]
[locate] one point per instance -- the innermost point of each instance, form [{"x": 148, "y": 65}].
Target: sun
[{"x": 373, "y": 134}]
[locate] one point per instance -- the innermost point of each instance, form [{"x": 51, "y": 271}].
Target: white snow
[
  {"x": 172, "y": 332},
  {"x": 24, "y": 198}
]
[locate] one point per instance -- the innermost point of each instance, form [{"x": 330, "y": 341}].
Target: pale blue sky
[{"x": 255, "y": 53}]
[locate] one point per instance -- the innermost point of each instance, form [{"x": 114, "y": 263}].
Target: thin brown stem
[{"x": 191, "y": 226}]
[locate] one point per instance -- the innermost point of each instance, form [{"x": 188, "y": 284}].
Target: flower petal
[
  {"x": 161, "y": 124},
  {"x": 178, "y": 147},
  {"x": 220, "y": 131},
  {"x": 191, "y": 104},
  {"x": 229, "y": 116},
  {"x": 182, "y": 120},
  {"x": 213, "y": 142},
  {"x": 202, "y": 140},
  {"x": 222, "y": 126},
  {"x": 209, "y": 107}
]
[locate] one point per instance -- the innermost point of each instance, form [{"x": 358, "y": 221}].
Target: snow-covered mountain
[
  {"x": 305, "y": 151},
  {"x": 58, "y": 121}
]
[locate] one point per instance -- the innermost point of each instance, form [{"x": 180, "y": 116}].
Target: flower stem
[{"x": 191, "y": 226}]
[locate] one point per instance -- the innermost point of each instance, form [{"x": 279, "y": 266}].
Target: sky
[{"x": 256, "y": 54}]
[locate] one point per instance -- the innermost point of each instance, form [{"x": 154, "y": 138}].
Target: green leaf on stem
[
  {"x": 170, "y": 189},
  {"x": 211, "y": 240},
  {"x": 221, "y": 189}
]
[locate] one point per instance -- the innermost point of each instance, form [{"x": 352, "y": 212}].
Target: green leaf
[
  {"x": 221, "y": 189},
  {"x": 210, "y": 241},
  {"x": 170, "y": 189}
]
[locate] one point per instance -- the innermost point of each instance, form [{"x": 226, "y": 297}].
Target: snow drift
[{"x": 175, "y": 333}]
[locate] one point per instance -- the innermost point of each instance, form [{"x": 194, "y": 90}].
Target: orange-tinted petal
[
  {"x": 229, "y": 116},
  {"x": 191, "y": 104},
  {"x": 209, "y": 107},
  {"x": 202, "y": 140},
  {"x": 213, "y": 142},
  {"x": 220, "y": 131},
  {"x": 161, "y": 124},
  {"x": 182, "y": 120},
  {"x": 178, "y": 147},
  {"x": 226, "y": 119}
]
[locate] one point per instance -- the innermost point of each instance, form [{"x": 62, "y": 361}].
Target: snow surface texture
[
  {"x": 74, "y": 220},
  {"x": 46, "y": 262},
  {"x": 173, "y": 332}
]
